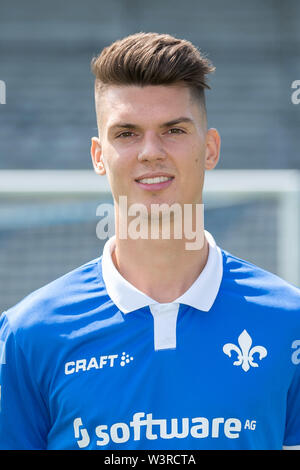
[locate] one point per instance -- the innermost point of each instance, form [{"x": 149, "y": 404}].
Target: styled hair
[{"x": 152, "y": 59}]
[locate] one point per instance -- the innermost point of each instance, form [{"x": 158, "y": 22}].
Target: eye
[
  {"x": 125, "y": 134},
  {"x": 175, "y": 130}
]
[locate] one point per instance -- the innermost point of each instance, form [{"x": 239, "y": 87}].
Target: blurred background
[{"x": 48, "y": 120}]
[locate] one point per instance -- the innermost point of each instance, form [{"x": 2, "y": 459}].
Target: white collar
[{"x": 201, "y": 295}]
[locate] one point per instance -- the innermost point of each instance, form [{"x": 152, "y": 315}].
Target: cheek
[
  {"x": 199, "y": 158},
  {"x": 117, "y": 170},
  {"x": 194, "y": 170},
  {"x": 110, "y": 159},
  {"x": 118, "y": 157},
  {"x": 195, "y": 159}
]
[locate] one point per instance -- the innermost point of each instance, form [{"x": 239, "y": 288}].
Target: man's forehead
[
  {"x": 126, "y": 103},
  {"x": 116, "y": 92}
]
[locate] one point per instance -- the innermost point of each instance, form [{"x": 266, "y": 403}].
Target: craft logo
[{"x": 111, "y": 360}]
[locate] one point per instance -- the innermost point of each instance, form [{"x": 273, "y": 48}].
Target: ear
[
  {"x": 213, "y": 145},
  {"x": 97, "y": 157}
]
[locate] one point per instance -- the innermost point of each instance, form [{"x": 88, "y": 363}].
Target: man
[{"x": 156, "y": 344}]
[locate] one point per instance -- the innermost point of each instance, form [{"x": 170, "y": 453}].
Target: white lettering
[
  {"x": 163, "y": 214},
  {"x": 153, "y": 458},
  {"x": 140, "y": 222},
  {"x": 152, "y": 422},
  {"x": 80, "y": 364},
  {"x": 112, "y": 357},
  {"x": 103, "y": 361},
  {"x": 133, "y": 222},
  {"x": 80, "y": 433},
  {"x": 296, "y": 354},
  {"x": 189, "y": 222},
  {"x": 2, "y": 92},
  {"x": 69, "y": 367},
  {"x": 102, "y": 435},
  {"x": 203, "y": 427},
  {"x": 174, "y": 428},
  {"x": 296, "y": 94},
  {"x": 250, "y": 424},
  {"x": 92, "y": 364},
  {"x": 232, "y": 427},
  {"x": 215, "y": 426},
  {"x": 125, "y": 433},
  {"x": 122, "y": 219},
  {"x": 105, "y": 227},
  {"x": 136, "y": 424}
]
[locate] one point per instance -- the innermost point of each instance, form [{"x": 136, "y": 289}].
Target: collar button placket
[{"x": 165, "y": 322}]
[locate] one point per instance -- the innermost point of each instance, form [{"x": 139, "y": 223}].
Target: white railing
[{"x": 222, "y": 187}]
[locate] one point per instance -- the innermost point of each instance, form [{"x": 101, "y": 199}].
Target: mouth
[{"x": 154, "y": 183}]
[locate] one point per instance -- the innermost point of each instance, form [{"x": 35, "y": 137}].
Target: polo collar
[{"x": 201, "y": 295}]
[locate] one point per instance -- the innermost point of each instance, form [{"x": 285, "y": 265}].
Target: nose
[{"x": 151, "y": 148}]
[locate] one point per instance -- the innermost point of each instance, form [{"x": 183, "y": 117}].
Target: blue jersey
[{"x": 91, "y": 362}]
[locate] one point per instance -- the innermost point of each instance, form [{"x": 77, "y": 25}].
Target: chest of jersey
[{"x": 218, "y": 388}]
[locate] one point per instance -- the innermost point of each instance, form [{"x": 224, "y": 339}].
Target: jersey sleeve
[
  {"x": 292, "y": 430},
  {"x": 23, "y": 413}
]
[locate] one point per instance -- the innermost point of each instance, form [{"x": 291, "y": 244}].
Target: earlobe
[
  {"x": 96, "y": 154},
  {"x": 213, "y": 144}
]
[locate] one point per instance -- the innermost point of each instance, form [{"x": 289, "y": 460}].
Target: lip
[
  {"x": 155, "y": 186},
  {"x": 153, "y": 175}
]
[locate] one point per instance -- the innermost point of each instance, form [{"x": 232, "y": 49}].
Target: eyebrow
[
  {"x": 128, "y": 125},
  {"x": 178, "y": 121}
]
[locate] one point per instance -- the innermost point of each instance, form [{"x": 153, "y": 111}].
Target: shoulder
[
  {"x": 59, "y": 300},
  {"x": 259, "y": 286}
]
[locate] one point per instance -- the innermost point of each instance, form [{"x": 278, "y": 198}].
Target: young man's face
[{"x": 150, "y": 132}]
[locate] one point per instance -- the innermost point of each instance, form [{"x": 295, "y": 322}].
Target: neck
[{"x": 163, "y": 269}]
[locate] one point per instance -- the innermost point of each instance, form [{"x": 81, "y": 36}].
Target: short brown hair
[{"x": 152, "y": 59}]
